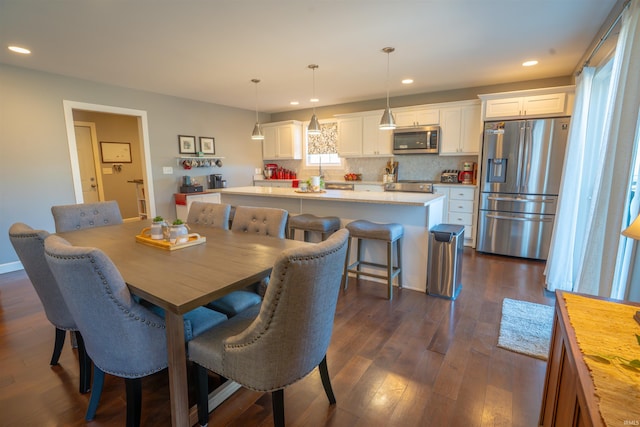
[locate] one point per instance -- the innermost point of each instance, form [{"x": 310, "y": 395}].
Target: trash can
[{"x": 446, "y": 243}]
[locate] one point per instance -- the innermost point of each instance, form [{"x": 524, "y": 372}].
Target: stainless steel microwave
[{"x": 416, "y": 140}]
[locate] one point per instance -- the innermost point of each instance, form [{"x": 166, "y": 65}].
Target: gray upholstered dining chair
[
  {"x": 122, "y": 337},
  {"x": 86, "y": 215},
  {"x": 262, "y": 221},
  {"x": 29, "y": 246},
  {"x": 273, "y": 345},
  {"x": 209, "y": 214}
]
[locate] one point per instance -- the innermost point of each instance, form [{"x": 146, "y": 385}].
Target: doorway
[
  {"x": 88, "y": 161},
  {"x": 80, "y": 158}
]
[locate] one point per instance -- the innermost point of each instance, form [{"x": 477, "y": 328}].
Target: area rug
[{"x": 525, "y": 328}]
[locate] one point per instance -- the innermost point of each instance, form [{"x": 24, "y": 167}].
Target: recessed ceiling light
[
  {"x": 294, "y": 103},
  {"x": 530, "y": 63},
  {"x": 407, "y": 81},
  {"x": 314, "y": 100},
  {"x": 18, "y": 49}
]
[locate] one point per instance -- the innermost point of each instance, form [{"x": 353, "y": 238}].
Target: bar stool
[
  {"x": 389, "y": 233},
  {"x": 324, "y": 225}
]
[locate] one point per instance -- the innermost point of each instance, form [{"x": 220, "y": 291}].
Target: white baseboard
[{"x": 10, "y": 266}]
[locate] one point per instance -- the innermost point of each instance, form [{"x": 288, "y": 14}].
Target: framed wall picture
[
  {"x": 115, "y": 152},
  {"x": 187, "y": 144},
  {"x": 207, "y": 145}
]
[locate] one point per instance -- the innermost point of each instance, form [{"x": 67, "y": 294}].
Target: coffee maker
[
  {"x": 466, "y": 175},
  {"x": 215, "y": 181}
]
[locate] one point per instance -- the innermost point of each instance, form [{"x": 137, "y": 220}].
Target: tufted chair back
[
  {"x": 272, "y": 345},
  {"x": 214, "y": 215},
  {"x": 122, "y": 337},
  {"x": 86, "y": 215},
  {"x": 29, "y": 245},
  {"x": 264, "y": 221}
]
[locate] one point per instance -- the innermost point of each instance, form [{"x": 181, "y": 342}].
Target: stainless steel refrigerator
[{"x": 522, "y": 166}]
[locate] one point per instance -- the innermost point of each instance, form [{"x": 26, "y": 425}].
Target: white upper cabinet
[
  {"x": 460, "y": 129},
  {"x": 359, "y": 135},
  {"x": 282, "y": 140},
  {"x": 350, "y": 136},
  {"x": 531, "y": 103},
  {"x": 406, "y": 117},
  {"x": 375, "y": 142}
]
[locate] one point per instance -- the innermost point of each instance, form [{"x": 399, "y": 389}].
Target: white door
[{"x": 91, "y": 187}]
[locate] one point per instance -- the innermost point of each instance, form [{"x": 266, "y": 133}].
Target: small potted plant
[
  {"x": 156, "y": 228},
  {"x": 178, "y": 228}
]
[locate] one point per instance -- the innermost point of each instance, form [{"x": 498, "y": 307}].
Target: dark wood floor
[{"x": 416, "y": 361}]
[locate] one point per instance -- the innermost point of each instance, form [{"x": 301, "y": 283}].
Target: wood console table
[{"x": 570, "y": 397}]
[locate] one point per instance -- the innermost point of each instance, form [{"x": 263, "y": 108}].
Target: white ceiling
[{"x": 209, "y": 50}]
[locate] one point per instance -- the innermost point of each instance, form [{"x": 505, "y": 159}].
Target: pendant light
[
  {"x": 387, "y": 121},
  {"x": 314, "y": 126},
  {"x": 257, "y": 131}
]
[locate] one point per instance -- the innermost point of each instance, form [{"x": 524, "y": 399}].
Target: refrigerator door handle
[
  {"x": 515, "y": 218},
  {"x": 520, "y": 149},
  {"x": 514, "y": 199},
  {"x": 526, "y": 160}
]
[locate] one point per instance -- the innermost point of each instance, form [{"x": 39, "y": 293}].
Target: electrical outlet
[{"x": 167, "y": 170}]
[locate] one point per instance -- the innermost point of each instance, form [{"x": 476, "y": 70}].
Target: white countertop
[{"x": 394, "y": 198}]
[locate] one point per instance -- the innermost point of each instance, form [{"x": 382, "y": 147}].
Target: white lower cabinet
[
  {"x": 460, "y": 209},
  {"x": 183, "y": 210}
]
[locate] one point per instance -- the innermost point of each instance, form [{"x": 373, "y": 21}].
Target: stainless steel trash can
[{"x": 446, "y": 243}]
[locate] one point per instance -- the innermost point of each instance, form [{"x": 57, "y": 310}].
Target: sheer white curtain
[
  {"x": 602, "y": 252},
  {"x": 564, "y": 256}
]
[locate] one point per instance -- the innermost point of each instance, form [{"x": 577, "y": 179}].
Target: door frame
[
  {"x": 96, "y": 157},
  {"x": 145, "y": 149}
]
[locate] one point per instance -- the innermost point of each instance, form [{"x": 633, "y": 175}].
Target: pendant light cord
[
  {"x": 256, "y": 81},
  {"x": 388, "y": 53}
]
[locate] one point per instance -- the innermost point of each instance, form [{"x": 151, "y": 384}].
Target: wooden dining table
[{"x": 182, "y": 280}]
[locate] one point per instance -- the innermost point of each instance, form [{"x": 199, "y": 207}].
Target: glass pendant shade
[
  {"x": 387, "y": 121},
  {"x": 257, "y": 133},
  {"x": 314, "y": 126}
]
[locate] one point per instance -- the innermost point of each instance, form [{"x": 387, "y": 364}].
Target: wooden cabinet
[
  {"x": 416, "y": 116},
  {"x": 359, "y": 135},
  {"x": 282, "y": 140},
  {"x": 531, "y": 103},
  {"x": 460, "y": 129},
  {"x": 460, "y": 208},
  {"x": 569, "y": 397},
  {"x": 182, "y": 207}
]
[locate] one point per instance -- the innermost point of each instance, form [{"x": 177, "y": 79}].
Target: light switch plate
[{"x": 167, "y": 170}]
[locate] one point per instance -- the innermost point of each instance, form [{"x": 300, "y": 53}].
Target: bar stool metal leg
[{"x": 345, "y": 276}]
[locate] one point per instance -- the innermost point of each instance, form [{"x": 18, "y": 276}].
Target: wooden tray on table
[{"x": 193, "y": 239}]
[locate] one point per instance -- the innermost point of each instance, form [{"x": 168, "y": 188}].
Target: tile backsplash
[{"x": 410, "y": 167}]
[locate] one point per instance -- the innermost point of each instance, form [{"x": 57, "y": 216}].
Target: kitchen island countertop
[
  {"x": 393, "y": 198},
  {"x": 417, "y": 212}
]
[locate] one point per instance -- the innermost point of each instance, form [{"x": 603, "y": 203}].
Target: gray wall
[{"x": 35, "y": 169}]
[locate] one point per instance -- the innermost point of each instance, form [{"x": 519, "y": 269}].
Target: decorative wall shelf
[{"x": 200, "y": 161}]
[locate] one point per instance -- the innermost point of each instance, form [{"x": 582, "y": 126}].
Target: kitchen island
[{"x": 417, "y": 212}]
